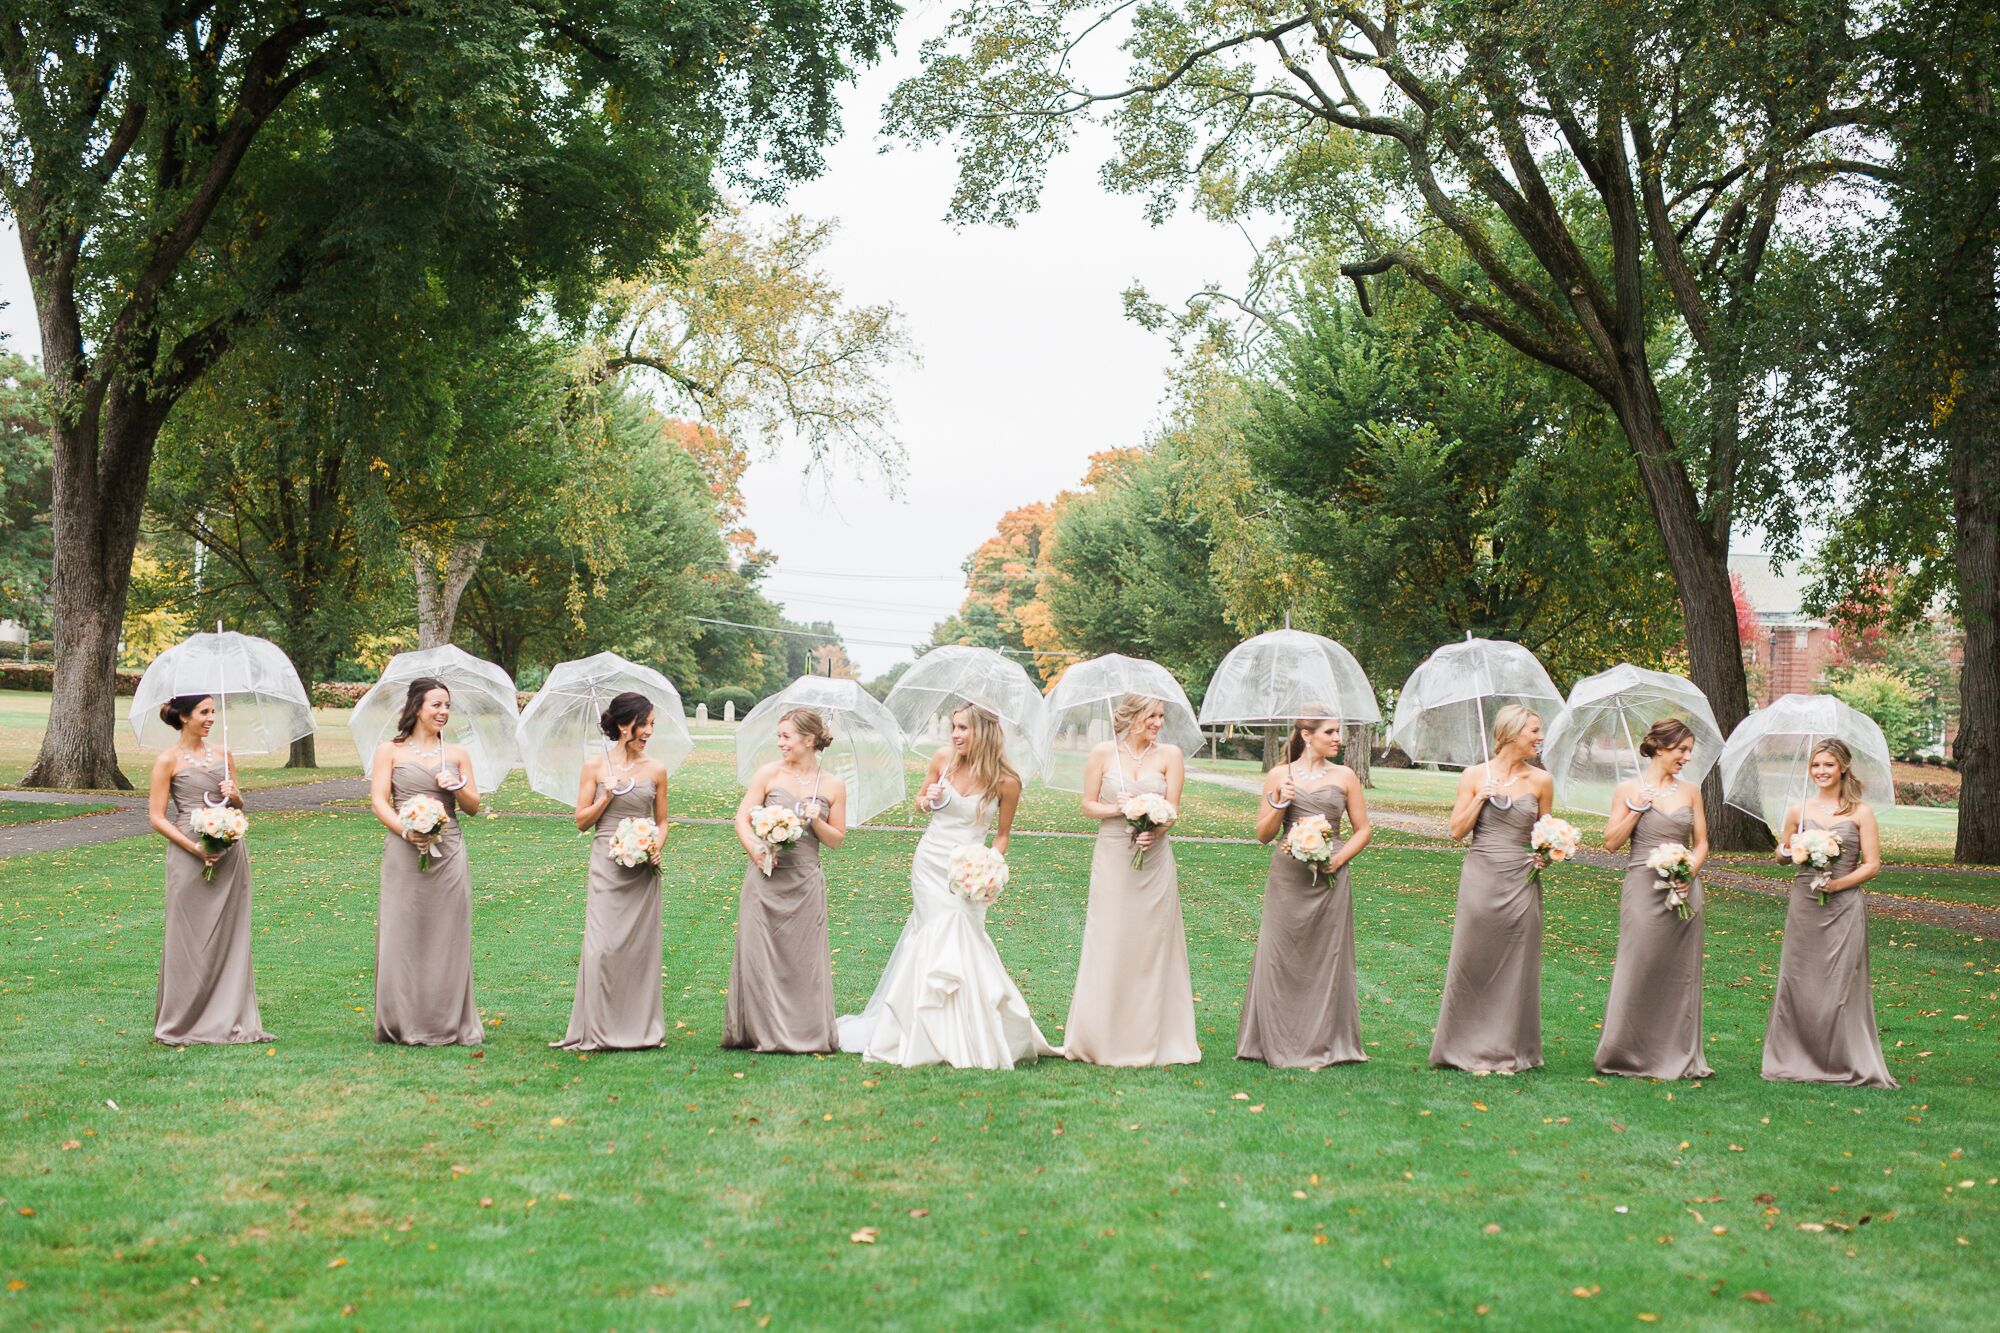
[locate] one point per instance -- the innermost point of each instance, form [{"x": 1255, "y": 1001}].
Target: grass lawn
[
  {"x": 327, "y": 1181},
  {"x": 34, "y": 812}
]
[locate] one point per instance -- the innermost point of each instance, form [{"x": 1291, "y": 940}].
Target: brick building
[{"x": 1790, "y": 648}]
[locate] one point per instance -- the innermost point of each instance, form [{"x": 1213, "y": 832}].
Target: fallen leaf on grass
[
  {"x": 920, "y": 1212},
  {"x": 1479, "y": 1106},
  {"x": 739, "y": 1305},
  {"x": 1239, "y": 1096},
  {"x": 1585, "y": 1293},
  {"x": 1760, "y": 1296},
  {"x": 70, "y": 1145},
  {"x": 863, "y": 1235},
  {"x": 486, "y": 1201},
  {"x": 1648, "y": 1317},
  {"x": 338, "y": 1261},
  {"x": 16, "y": 1284}
]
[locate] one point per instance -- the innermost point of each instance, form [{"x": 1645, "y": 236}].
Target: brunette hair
[
  {"x": 626, "y": 710},
  {"x": 176, "y": 711},
  {"x": 1510, "y": 722},
  {"x": 1850, "y": 790},
  {"x": 1666, "y": 734},
  {"x": 1311, "y": 719},
  {"x": 810, "y": 725},
  {"x": 413, "y": 703},
  {"x": 986, "y": 756}
]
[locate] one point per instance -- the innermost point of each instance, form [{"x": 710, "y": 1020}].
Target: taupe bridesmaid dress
[
  {"x": 1491, "y": 1014},
  {"x": 617, "y": 1005},
  {"x": 1301, "y": 1010},
  {"x": 1133, "y": 1003},
  {"x": 1652, "y": 1020},
  {"x": 208, "y": 991},
  {"x": 423, "y": 930},
  {"x": 781, "y": 977},
  {"x": 1822, "y": 1027}
]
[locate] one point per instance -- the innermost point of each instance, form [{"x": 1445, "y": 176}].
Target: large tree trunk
[
  {"x": 438, "y": 593},
  {"x": 100, "y": 469},
  {"x": 1975, "y": 483},
  {"x": 1357, "y": 742}
]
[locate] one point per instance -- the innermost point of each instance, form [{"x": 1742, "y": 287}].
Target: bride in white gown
[{"x": 944, "y": 998}]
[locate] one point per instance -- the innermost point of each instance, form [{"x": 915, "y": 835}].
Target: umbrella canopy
[
  {"x": 1079, "y": 709},
  {"x": 1595, "y": 745},
  {"x": 1445, "y": 713},
  {"x": 560, "y": 730},
  {"x": 867, "y": 749},
  {"x": 1764, "y": 765},
  {"x": 943, "y": 678},
  {"x": 485, "y": 712},
  {"x": 1288, "y": 674},
  {"x": 257, "y": 690}
]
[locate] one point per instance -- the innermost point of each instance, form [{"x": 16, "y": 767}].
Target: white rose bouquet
[
  {"x": 776, "y": 827},
  {"x": 636, "y": 842},
  {"x": 1818, "y": 848},
  {"x": 977, "y": 873},
  {"x": 1311, "y": 841},
  {"x": 1557, "y": 839},
  {"x": 1145, "y": 811},
  {"x": 219, "y": 827},
  {"x": 1674, "y": 864},
  {"x": 423, "y": 815}
]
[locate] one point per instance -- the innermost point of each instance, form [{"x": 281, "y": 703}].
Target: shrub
[
  {"x": 338, "y": 693},
  {"x": 1933, "y": 794},
  {"x": 41, "y": 677},
  {"x": 742, "y": 698},
  {"x": 1885, "y": 695}
]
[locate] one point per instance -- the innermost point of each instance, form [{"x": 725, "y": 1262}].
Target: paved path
[{"x": 129, "y": 821}]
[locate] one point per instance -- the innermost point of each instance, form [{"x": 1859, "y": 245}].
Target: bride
[{"x": 944, "y": 997}]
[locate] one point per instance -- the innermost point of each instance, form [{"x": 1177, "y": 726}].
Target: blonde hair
[
  {"x": 1849, "y": 791},
  {"x": 1310, "y": 719},
  {"x": 986, "y": 754},
  {"x": 1132, "y": 710},
  {"x": 810, "y": 725},
  {"x": 1510, "y": 722}
]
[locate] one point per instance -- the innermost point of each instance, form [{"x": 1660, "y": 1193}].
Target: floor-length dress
[
  {"x": 1301, "y": 1009},
  {"x": 1133, "y": 1003},
  {"x": 944, "y": 997},
  {"x": 1491, "y": 1015},
  {"x": 208, "y": 991},
  {"x": 781, "y": 976},
  {"x": 1822, "y": 1027},
  {"x": 423, "y": 929},
  {"x": 1652, "y": 1018},
  {"x": 617, "y": 1005}
]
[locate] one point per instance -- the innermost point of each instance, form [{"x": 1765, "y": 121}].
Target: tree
[
  {"x": 1003, "y": 576},
  {"x": 25, "y": 538},
  {"x": 1621, "y": 180},
  {"x": 176, "y": 171}
]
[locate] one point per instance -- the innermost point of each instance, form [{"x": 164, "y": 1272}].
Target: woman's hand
[
  {"x": 231, "y": 792},
  {"x": 1144, "y": 841},
  {"x": 1287, "y": 790},
  {"x": 765, "y": 860}
]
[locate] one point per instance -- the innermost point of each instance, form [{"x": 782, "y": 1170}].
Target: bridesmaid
[
  {"x": 781, "y": 978},
  {"x": 1133, "y": 1003},
  {"x": 208, "y": 990},
  {"x": 1301, "y": 1010},
  {"x": 423, "y": 931},
  {"x": 617, "y": 1005},
  {"x": 1652, "y": 1020},
  {"x": 1490, "y": 1020},
  {"x": 1822, "y": 1027}
]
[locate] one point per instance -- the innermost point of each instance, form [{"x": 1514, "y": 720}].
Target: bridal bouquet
[
  {"x": 219, "y": 827},
  {"x": 977, "y": 873},
  {"x": 1818, "y": 848},
  {"x": 635, "y": 842},
  {"x": 776, "y": 827},
  {"x": 1144, "y": 812},
  {"x": 1311, "y": 841},
  {"x": 1555, "y": 838},
  {"x": 1674, "y": 864},
  {"x": 423, "y": 815}
]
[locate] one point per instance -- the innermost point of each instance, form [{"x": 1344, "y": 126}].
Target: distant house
[{"x": 1789, "y": 648}]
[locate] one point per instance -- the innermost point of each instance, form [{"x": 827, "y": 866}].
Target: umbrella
[
  {"x": 560, "y": 729},
  {"x": 867, "y": 749},
  {"x": 485, "y": 710},
  {"x": 257, "y": 691},
  {"x": 1595, "y": 745},
  {"x": 1765, "y": 763},
  {"x": 1447, "y": 705},
  {"x": 1288, "y": 674},
  {"x": 923, "y": 698},
  {"x": 1079, "y": 710}
]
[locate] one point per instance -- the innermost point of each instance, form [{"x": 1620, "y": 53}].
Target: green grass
[
  {"x": 34, "y": 812},
  {"x": 327, "y": 1181},
  {"x": 1975, "y": 887}
]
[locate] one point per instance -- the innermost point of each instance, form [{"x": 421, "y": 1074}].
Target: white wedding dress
[{"x": 944, "y": 998}]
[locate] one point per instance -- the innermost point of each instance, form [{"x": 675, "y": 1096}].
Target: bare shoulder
[{"x": 1168, "y": 750}]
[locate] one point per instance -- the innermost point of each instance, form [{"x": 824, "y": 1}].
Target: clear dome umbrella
[
  {"x": 867, "y": 749},
  {"x": 923, "y": 699},
  {"x": 260, "y": 703},
  {"x": 560, "y": 729},
  {"x": 1445, "y": 712},
  {"x": 1079, "y": 712},
  {"x": 1288, "y": 674},
  {"x": 1594, "y": 746},
  {"x": 485, "y": 709},
  {"x": 1765, "y": 762}
]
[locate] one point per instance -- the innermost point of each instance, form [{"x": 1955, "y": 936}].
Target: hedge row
[
  {"x": 1926, "y": 793},
  {"x": 41, "y": 676}
]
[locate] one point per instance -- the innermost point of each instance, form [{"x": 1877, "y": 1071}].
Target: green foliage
[
  {"x": 25, "y": 536},
  {"x": 1882, "y": 693},
  {"x": 718, "y": 699}
]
